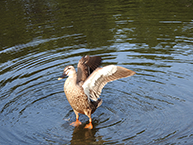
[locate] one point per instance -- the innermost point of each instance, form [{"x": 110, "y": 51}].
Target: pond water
[{"x": 154, "y": 39}]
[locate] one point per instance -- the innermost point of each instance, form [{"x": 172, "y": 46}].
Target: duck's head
[{"x": 68, "y": 71}]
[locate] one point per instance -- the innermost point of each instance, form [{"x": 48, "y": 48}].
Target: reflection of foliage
[
  {"x": 98, "y": 23},
  {"x": 153, "y": 23}
]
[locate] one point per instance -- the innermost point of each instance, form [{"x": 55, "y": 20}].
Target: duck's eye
[{"x": 68, "y": 68}]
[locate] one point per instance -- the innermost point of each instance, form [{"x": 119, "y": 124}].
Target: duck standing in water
[{"x": 83, "y": 88}]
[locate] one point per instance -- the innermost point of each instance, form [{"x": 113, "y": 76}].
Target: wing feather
[
  {"x": 86, "y": 66},
  {"x": 101, "y": 76}
]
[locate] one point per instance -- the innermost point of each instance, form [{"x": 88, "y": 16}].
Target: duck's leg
[
  {"x": 77, "y": 122},
  {"x": 89, "y": 126}
]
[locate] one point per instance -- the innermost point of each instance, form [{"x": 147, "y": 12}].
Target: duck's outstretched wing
[
  {"x": 86, "y": 66},
  {"x": 101, "y": 76}
]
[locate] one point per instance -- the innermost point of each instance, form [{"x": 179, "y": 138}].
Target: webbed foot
[{"x": 76, "y": 123}]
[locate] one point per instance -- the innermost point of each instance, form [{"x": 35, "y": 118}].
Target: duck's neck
[{"x": 71, "y": 81}]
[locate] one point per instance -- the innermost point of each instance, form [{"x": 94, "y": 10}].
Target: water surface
[{"x": 154, "y": 39}]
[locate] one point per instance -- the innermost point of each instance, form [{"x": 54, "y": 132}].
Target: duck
[{"x": 83, "y": 88}]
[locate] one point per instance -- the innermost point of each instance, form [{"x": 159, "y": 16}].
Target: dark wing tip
[
  {"x": 93, "y": 61},
  {"x": 86, "y": 65}
]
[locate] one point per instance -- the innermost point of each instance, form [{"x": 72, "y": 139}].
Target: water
[{"x": 154, "y": 39}]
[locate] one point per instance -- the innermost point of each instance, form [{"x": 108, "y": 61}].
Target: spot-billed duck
[{"x": 83, "y": 88}]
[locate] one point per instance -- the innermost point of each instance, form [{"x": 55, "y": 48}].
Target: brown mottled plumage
[{"x": 83, "y": 89}]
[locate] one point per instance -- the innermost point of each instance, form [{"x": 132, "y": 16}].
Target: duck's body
[
  {"x": 83, "y": 88},
  {"x": 77, "y": 98}
]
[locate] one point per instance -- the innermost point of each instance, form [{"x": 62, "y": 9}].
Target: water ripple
[{"x": 153, "y": 104}]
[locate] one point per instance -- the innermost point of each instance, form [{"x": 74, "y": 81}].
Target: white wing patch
[{"x": 89, "y": 84}]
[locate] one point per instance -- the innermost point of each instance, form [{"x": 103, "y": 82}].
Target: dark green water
[{"x": 153, "y": 38}]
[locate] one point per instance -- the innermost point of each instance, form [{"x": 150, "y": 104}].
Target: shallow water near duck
[{"x": 153, "y": 39}]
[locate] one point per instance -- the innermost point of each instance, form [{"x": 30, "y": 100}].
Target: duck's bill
[{"x": 61, "y": 77}]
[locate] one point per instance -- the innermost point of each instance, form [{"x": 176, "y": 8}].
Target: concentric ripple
[
  {"x": 153, "y": 104},
  {"x": 33, "y": 103}
]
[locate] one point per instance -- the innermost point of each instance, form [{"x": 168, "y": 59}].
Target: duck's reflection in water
[{"x": 82, "y": 135}]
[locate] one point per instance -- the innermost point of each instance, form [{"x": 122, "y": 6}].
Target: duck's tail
[{"x": 99, "y": 102}]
